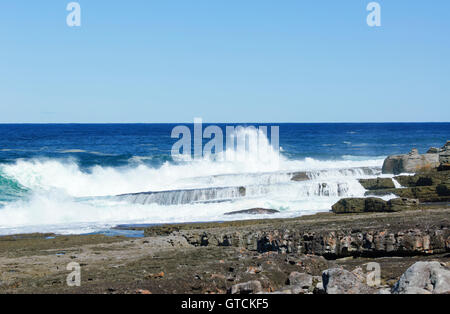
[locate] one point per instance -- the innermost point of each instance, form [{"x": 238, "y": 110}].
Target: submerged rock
[
  {"x": 424, "y": 278},
  {"x": 254, "y": 211}
]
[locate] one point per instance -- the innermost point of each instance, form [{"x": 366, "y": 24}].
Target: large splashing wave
[{"x": 62, "y": 197}]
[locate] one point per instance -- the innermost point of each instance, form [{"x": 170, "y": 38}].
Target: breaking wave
[{"x": 54, "y": 195}]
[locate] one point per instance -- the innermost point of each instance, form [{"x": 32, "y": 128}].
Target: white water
[{"x": 67, "y": 200}]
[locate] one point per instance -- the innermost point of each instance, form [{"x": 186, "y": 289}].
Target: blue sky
[{"x": 224, "y": 61}]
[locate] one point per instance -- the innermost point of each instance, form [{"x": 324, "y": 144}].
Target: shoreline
[{"x": 177, "y": 259}]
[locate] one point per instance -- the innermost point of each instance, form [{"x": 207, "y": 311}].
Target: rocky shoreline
[{"x": 366, "y": 245}]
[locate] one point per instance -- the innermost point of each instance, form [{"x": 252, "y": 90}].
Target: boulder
[
  {"x": 424, "y": 278},
  {"x": 251, "y": 287},
  {"x": 340, "y": 281},
  {"x": 377, "y": 184},
  {"x": 254, "y": 211},
  {"x": 410, "y": 163}
]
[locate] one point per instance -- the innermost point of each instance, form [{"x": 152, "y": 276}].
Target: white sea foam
[{"x": 65, "y": 199}]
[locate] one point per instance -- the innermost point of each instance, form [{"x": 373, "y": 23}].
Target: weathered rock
[
  {"x": 410, "y": 163},
  {"x": 377, "y": 184},
  {"x": 254, "y": 211},
  {"x": 305, "y": 281},
  {"x": 424, "y": 278},
  {"x": 340, "y": 281},
  {"x": 251, "y": 287}
]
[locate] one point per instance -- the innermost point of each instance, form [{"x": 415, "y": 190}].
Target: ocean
[{"x": 67, "y": 178}]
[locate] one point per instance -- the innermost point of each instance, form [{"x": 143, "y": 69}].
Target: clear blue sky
[{"x": 224, "y": 61}]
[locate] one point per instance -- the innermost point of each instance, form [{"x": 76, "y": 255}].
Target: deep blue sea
[{"x": 66, "y": 178}]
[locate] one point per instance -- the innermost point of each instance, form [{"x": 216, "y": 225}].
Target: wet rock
[
  {"x": 304, "y": 281},
  {"x": 340, "y": 281},
  {"x": 410, "y": 163},
  {"x": 254, "y": 211},
  {"x": 377, "y": 184},
  {"x": 251, "y": 287},
  {"x": 424, "y": 278}
]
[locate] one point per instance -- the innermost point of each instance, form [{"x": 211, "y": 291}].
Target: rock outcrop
[
  {"x": 424, "y": 278},
  {"x": 414, "y": 162},
  {"x": 410, "y": 163},
  {"x": 373, "y": 204}
]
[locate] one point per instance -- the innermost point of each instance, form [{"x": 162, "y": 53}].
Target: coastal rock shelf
[{"x": 331, "y": 236}]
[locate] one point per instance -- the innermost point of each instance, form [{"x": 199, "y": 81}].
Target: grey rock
[
  {"x": 340, "y": 281},
  {"x": 424, "y": 278}
]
